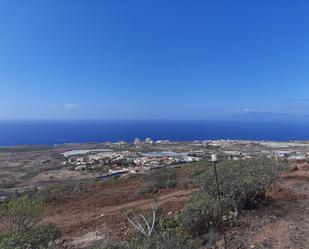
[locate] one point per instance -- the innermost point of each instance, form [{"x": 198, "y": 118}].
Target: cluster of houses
[
  {"x": 290, "y": 155},
  {"x": 119, "y": 159},
  {"x": 148, "y": 140},
  {"x": 104, "y": 161}
]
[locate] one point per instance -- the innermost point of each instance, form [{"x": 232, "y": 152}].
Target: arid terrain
[
  {"x": 94, "y": 210},
  {"x": 280, "y": 222}
]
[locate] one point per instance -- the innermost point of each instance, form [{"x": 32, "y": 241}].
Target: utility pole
[{"x": 214, "y": 160}]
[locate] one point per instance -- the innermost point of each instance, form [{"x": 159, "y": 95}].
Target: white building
[
  {"x": 137, "y": 141},
  {"x": 148, "y": 140}
]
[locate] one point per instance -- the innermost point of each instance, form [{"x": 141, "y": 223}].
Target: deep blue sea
[{"x": 59, "y": 132}]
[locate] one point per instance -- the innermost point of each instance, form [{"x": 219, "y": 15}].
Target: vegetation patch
[
  {"x": 158, "y": 179},
  {"x": 21, "y": 213},
  {"x": 167, "y": 235},
  {"x": 168, "y": 239},
  {"x": 243, "y": 183},
  {"x": 39, "y": 238},
  {"x": 202, "y": 214},
  {"x": 58, "y": 191}
]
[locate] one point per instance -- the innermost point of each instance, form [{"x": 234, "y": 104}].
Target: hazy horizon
[{"x": 237, "y": 117}]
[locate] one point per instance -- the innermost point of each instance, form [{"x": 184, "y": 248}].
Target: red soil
[{"x": 280, "y": 222}]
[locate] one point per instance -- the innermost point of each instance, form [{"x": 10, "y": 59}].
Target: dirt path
[{"x": 177, "y": 196}]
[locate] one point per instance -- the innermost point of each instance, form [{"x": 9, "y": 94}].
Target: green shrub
[
  {"x": 200, "y": 167},
  {"x": 162, "y": 177},
  {"x": 202, "y": 214},
  {"x": 52, "y": 192},
  {"x": 57, "y": 191},
  {"x": 159, "y": 179},
  {"x": 107, "y": 244},
  {"x": 243, "y": 183},
  {"x": 148, "y": 188},
  {"x": 171, "y": 183},
  {"x": 167, "y": 224},
  {"x": 38, "y": 238},
  {"x": 168, "y": 239},
  {"x": 21, "y": 213},
  {"x": 164, "y": 240},
  {"x": 186, "y": 182},
  {"x": 167, "y": 235}
]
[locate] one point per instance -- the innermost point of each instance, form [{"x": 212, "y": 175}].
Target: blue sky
[{"x": 153, "y": 59}]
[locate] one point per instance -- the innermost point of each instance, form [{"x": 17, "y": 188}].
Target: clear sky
[{"x": 145, "y": 59}]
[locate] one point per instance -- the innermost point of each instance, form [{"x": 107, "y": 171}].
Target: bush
[
  {"x": 38, "y": 238},
  {"x": 52, "y": 192},
  {"x": 186, "y": 182},
  {"x": 106, "y": 244},
  {"x": 159, "y": 179},
  {"x": 148, "y": 188},
  {"x": 166, "y": 240},
  {"x": 243, "y": 183},
  {"x": 171, "y": 183},
  {"x": 21, "y": 213},
  {"x": 57, "y": 191},
  {"x": 167, "y": 235},
  {"x": 169, "y": 239},
  {"x": 201, "y": 214},
  {"x": 200, "y": 167}
]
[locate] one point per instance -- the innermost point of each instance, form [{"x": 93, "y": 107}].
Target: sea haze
[{"x": 58, "y": 132}]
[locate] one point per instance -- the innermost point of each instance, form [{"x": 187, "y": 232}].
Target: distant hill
[{"x": 266, "y": 116}]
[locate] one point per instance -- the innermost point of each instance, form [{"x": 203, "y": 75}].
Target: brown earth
[
  {"x": 280, "y": 222},
  {"x": 99, "y": 209}
]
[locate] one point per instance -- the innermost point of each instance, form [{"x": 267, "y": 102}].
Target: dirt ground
[
  {"x": 280, "y": 222},
  {"x": 97, "y": 212}
]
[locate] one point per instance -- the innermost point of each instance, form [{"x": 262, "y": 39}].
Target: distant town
[
  {"x": 27, "y": 167},
  {"x": 141, "y": 155}
]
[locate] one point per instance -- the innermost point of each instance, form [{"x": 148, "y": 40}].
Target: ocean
[{"x": 59, "y": 132}]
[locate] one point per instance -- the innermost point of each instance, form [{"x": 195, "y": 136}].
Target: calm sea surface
[{"x": 58, "y": 132}]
